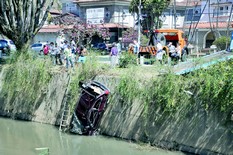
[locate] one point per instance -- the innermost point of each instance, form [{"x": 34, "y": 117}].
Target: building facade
[
  {"x": 113, "y": 14},
  {"x": 202, "y": 21},
  {"x": 215, "y": 21}
]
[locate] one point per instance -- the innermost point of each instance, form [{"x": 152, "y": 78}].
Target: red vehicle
[{"x": 89, "y": 108}]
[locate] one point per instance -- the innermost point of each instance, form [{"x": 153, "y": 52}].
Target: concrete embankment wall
[
  {"x": 191, "y": 128},
  {"x": 46, "y": 108}
]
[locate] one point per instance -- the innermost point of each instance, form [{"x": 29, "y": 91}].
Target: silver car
[{"x": 38, "y": 47}]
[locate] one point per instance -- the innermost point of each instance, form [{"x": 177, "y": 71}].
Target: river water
[{"x": 30, "y": 138}]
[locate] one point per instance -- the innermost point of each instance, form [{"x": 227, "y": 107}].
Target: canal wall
[
  {"x": 191, "y": 128},
  {"x": 45, "y": 108}
]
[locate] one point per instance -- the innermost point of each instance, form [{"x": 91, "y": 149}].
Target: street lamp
[
  {"x": 123, "y": 18},
  {"x": 139, "y": 21}
]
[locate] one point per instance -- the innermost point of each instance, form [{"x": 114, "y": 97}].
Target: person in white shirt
[
  {"x": 52, "y": 53},
  {"x": 159, "y": 54}
]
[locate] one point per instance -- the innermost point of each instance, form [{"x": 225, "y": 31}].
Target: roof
[
  {"x": 102, "y": 2},
  {"x": 185, "y": 3},
  {"x": 53, "y": 28},
  {"x": 112, "y": 25},
  {"x": 50, "y": 28},
  {"x": 55, "y": 12},
  {"x": 58, "y": 28},
  {"x": 207, "y": 25}
]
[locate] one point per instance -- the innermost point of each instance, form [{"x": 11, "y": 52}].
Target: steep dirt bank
[{"x": 191, "y": 128}]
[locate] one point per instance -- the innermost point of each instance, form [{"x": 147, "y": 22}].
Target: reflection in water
[{"x": 21, "y": 138}]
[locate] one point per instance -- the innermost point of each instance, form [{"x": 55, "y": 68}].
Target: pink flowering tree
[
  {"x": 129, "y": 36},
  {"x": 81, "y": 31},
  {"x": 85, "y": 32}
]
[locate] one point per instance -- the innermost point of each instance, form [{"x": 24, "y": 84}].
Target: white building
[{"x": 203, "y": 21}]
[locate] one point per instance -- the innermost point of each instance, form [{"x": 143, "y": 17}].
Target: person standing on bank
[
  {"x": 114, "y": 55},
  {"x": 119, "y": 50},
  {"x": 68, "y": 55},
  {"x": 159, "y": 54},
  {"x": 136, "y": 49},
  {"x": 52, "y": 52}
]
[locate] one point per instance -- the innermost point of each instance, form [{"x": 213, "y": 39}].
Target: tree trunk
[{"x": 22, "y": 19}]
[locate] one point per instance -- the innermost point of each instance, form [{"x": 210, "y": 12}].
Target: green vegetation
[
  {"x": 211, "y": 89},
  {"x": 153, "y": 9},
  {"x": 168, "y": 93},
  {"x": 221, "y": 42},
  {"x": 26, "y": 77},
  {"x": 127, "y": 59}
]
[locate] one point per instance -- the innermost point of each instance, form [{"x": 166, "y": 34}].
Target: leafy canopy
[
  {"x": 22, "y": 19},
  {"x": 153, "y": 9}
]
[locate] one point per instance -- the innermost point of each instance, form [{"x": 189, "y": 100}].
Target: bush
[
  {"x": 127, "y": 59},
  {"x": 221, "y": 42}
]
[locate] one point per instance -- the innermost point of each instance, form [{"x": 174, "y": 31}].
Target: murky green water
[{"x": 22, "y": 138}]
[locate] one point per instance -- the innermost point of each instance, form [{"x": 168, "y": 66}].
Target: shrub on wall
[{"x": 211, "y": 89}]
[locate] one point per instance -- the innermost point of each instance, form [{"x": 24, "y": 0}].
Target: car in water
[
  {"x": 90, "y": 108},
  {"x": 38, "y": 47},
  {"x": 6, "y": 46}
]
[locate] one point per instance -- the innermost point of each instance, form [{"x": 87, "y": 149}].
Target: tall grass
[
  {"x": 26, "y": 76},
  {"x": 212, "y": 88}
]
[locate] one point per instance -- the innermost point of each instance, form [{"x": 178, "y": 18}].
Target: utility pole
[
  {"x": 139, "y": 22},
  {"x": 174, "y": 9}
]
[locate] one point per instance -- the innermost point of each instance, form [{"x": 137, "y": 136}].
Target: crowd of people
[
  {"x": 66, "y": 53},
  {"x": 69, "y": 54}
]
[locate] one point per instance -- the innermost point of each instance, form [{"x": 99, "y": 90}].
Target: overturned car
[{"x": 89, "y": 108}]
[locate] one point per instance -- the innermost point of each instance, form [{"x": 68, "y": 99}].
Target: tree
[
  {"x": 79, "y": 30},
  {"x": 83, "y": 32},
  {"x": 22, "y": 19},
  {"x": 152, "y": 9}
]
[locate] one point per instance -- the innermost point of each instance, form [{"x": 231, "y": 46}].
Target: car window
[
  {"x": 11, "y": 42},
  {"x": 36, "y": 45},
  {"x": 3, "y": 43}
]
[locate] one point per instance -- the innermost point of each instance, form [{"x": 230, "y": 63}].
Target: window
[
  {"x": 70, "y": 6},
  {"x": 214, "y": 12},
  {"x": 197, "y": 12},
  {"x": 221, "y": 9}
]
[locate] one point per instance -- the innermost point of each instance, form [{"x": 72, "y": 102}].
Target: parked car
[
  {"x": 100, "y": 46},
  {"x": 38, "y": 47},
  {"x": 6, "y": 46}
]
